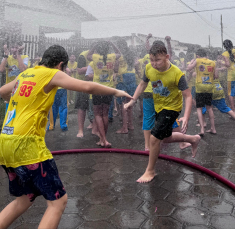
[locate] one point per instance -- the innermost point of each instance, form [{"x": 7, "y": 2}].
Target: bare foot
[
  {"x": 146, "y": 177},
  {"x": 107, "y": 144},
  {"x": 199, "y": 124},
  {"x": 90, "y": 126},
  {"x": 100, "y": 143},
  {"x": 184, "y": 145},
  {"x": 122, "y": 131},
  {"x": 80, "y": 135},
  {"x": 211, "y": 131},
  {"x": 195, "y": 145}
]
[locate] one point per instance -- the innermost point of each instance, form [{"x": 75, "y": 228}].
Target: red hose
[{"x": 166, "y": 157}]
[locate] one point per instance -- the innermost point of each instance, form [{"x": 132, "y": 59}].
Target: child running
[
  {"x": 23, "y": 153},
  {"x": 169, "y": 87}
]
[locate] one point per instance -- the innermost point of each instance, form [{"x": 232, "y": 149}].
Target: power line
[{"x": 161, "y": 15}]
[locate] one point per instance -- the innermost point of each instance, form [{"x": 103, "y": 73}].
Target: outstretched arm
[
  {"x": 147, "y": 45},
  {"x": 5, "y": 91},
  {"x": 168, "y": 42}
]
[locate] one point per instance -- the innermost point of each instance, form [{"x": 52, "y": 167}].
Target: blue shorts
[
  {"x": 150, "y": 115},
  {"x": 231, "y": 88},
  {"x": 35, "y": 180},
  {"x": 221, "y": 105},
  {"x": 193, "y": 92},
  {"x": 129, "y": 88}
]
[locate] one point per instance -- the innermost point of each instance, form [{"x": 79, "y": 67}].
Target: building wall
[{"x": 35, "y": 13}]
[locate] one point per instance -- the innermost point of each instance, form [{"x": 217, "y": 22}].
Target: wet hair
[
  {"x": 228, "y": 45},
  {"x": 53, "y": 56},
  {"x": 102, "y": 48},
  {"x": 157, "y": 49},
  {"x": 201, "y": 53},
  {"x": 158, "y": 42},
  {"x": 189, "y": 56}
]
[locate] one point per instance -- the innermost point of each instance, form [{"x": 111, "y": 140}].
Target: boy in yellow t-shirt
[
  {"x": 23, "y": 153},
  {"x": 205, "y": 73},
  {"x": 169, "y": 87}
]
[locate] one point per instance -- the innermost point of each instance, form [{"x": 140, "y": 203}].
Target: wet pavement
[{"x": 103, "y": 194}]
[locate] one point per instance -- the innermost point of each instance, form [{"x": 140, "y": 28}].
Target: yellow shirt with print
[
  {"x": 231, "y": 69},
  {"x": 205, "y": 75},
  {"x": 218, "y": 92},
  {"x": 84, "y": 53},
  {"x": 166, "y": 94},
  {"x": 103, "y": 74},
  {"x": 22, "y": 140},
  {"x": 73, "y": 66},
  {"x": 12, "y": 68}
]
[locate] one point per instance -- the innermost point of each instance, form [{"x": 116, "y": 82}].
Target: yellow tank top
[
  {"x": 231, "y": 69},
  {"x": 73, "y": 66},
  {"x": 24, "y": 127},
  {"x": 12, "y": 69},
  {"x": 103, "y": 74},
  {"x": 218, "y": 92},
  {"x": 205, "y": 75},
  {"x": 166, "y": 94},
  {"x": 85, "y": 53}
]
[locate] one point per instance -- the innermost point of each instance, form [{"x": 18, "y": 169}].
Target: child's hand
[
  {"x": 149, "y": 35},
  {"x": 120, "y": 93},
  {"x": 6, "y": 51},
  {"x": 167, "y": 38},
  {"x": 184, "y": 124},
  {"x": 130, "y": 104}
]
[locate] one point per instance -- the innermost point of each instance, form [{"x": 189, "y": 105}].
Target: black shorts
[
  {"x": 82, "y": 101},
  {"x": 102, "y": 99},
  {"x": 35, "y": 180},
  {"x": 203, "y": 99},
  {"x": 163, "y": 124}
]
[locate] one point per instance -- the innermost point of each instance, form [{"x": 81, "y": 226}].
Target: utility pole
[
  {"x": 222, "y": 39},
  {"x": 209, "y": 42}
]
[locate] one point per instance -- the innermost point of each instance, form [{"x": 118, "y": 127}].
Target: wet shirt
[
  {"x": 218, "y": 92},
  {"x": 12, "y": 68},
  {"x": 166, "y": 87},
  {"x": 231, "y": 69},
  {"x": 205, "y": 69},
  {"x": 103, "y": 74},
  {"x": 24, "y": 127}
]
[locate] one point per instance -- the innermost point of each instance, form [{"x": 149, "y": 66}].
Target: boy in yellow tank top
[
  {"x": 169, "y": 87},
  {"x": 23, "y": 153},
  {"x": 205, "y": 73}
]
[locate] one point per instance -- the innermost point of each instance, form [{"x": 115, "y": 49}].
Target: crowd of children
[{"x": 156, "y": 78}]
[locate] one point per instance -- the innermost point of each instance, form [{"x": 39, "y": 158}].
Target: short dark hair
[
  {"x": 157, "y": 49},
  {"x": 53, "y": 56},
  {"x": 201, "y": 53}
]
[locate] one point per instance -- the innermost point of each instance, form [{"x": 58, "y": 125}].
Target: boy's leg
[
  {"x": 54, "y": 211},
  {"x": 201, "y": 121},
  {"x": 81, "y": 120},
  {"x": 212, "y": 120},
  {"x": 180, "y": 137},
  {"x": 13, "y": 210},
  {"x": 182, "y": 145},
  {"x": 124, "y": 129},
  {"x": 147, "y": 134},
  {"x": 231, "y": 101},
  {"x": 153, "y": 156}
]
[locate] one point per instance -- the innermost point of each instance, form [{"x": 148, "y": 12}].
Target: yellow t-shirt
[
  {"x": 231, "y": 69},
  {"x": 166, "y": 94},
  {"x": 205, "y": 75},
  {"x": 218, "y": 92},
  {"x": 22, "y": 141},
  {"x": 85, "y": 53},
  {"x": 74, "y": 67},
  {"x": 12, "y": 68},
  {"x": 103, "y": 74}
]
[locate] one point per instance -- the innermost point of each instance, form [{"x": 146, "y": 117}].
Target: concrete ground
[{"x": 103, "y": 194}]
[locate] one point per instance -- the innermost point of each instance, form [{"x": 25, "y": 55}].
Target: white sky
[{"x": 187, "y": 28}]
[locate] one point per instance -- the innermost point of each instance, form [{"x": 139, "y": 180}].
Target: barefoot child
[
  {"x": 169, "y": 88},
  {"x": 23, "y": 153},
  {"x": 205, "y": 73}
]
